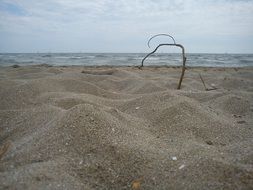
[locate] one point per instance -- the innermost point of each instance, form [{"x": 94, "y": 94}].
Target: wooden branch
[
  {"x": 202, "y": 81},
  {"x": 183, "y": 57},
  {"x": 4, "y": 148},
  {"x": 183, "y": 67},
  {"x": 161, "y": 35},
  {"x": 206, "y": 89}
]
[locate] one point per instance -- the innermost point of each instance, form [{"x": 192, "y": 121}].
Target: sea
[{"x": 126, "y": 59}]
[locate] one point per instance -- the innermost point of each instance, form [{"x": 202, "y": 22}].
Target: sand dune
[{"x": 110, "y": 128}]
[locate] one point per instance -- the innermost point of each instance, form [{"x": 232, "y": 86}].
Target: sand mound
[
  {"x": 232, "y": 104},
  {"x": 110, "y": 128}
]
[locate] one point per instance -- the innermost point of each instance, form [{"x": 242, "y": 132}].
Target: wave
[{"x": 205, "y": 60}]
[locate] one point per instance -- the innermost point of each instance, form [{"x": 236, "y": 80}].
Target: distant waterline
[{"x": 125, "y": 59}]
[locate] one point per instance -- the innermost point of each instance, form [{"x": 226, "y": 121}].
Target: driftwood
[
  {"x": 169, "y": 44},
  {"x": 206, "y": 89}
]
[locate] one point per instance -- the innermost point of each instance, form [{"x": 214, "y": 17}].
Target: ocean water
[{"x": 125, "y": 59}]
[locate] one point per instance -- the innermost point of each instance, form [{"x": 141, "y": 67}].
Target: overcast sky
[{"x": 204, "y": 26}]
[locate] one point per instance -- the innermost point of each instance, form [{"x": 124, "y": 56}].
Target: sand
[{"x": 124, "y": 128}]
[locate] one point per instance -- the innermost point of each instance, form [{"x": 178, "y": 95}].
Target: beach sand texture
[{"x": 124, "y": 128}]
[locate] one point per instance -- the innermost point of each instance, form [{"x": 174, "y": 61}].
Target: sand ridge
[{"x": 114, "y": 127}]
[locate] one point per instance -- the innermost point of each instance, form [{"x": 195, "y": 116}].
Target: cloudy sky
[{"x": 205, "y": 26}]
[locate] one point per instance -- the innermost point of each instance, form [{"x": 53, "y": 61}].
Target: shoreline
[{"x": 125, "y": 66}]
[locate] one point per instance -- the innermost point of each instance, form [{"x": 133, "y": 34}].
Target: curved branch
[
  {"x": 183, "y": 57},
  {"x": 161, "y": 35}
]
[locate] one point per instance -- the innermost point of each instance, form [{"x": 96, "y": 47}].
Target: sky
[{"x": 202, "y": 26}]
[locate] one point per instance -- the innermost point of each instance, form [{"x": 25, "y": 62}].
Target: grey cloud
[{"x": 127, "y": 20}]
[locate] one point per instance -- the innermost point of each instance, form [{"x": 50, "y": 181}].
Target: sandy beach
[{"x": 124, "y": 128}]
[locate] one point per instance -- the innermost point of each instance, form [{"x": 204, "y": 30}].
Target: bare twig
[
  {"x": 206, "y": 89},
  {"x": 183, "y": 67},
  {"x": 202, "y": 81},
  {"x": 161, "y": 35},
  {"x": 4, "y": 148},
  {"x": 172, "y": 44}
]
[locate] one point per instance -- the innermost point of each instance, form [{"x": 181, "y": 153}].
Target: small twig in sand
[
  {"x": 3, "y": 149},
  {"x": 207, "y": 89},
  {"x": 202, "y": 81}
]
